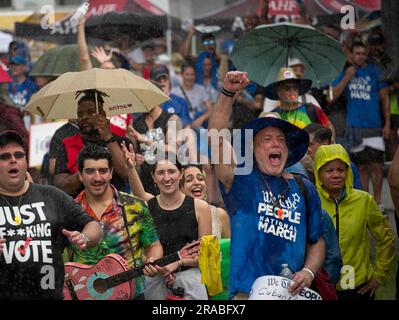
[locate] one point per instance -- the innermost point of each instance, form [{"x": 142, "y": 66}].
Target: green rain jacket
[{"x": 355, "y": 215}]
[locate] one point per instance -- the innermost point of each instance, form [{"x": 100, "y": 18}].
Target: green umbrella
[
  {"x": 266, "y": 49},
  {"x": 56, "y": 61}
]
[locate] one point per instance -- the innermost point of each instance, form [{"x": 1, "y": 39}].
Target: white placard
[
  {"x": 276, "y": 288},
  {"x": 39, "y": 141}
]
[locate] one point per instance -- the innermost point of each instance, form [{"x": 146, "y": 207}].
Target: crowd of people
[{"x": 118, "y": 185}]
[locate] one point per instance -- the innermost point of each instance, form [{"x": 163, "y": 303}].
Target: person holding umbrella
[{"x": 93, "y": 129}]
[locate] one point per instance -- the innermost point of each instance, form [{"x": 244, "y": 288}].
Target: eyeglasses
[
  {"x": 7, "y": 155},
  {"x": 208, "y": 42}
]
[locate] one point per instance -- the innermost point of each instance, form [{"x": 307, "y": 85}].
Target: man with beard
[
  {"x": 93, "y": 130},
  {"x": 269, "y": 223},
  {"x": 127, "y": 224}
]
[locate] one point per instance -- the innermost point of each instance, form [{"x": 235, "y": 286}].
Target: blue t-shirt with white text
[
  {"x": 261, "y": 238},
  {"x": 362, "y": 95}
]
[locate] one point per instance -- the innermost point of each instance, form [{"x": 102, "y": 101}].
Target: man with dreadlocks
[{"x": 93, "y": 130}]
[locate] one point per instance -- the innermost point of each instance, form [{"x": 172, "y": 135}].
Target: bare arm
[
  {"x": 90, "y": 236},
  {"x": 339, "y": 89},
  {"x": 134, "y": 180},
  {"x": 314, "y": 260},
  {"x": 51, "y": 166},
  {"x": 204, "y": 221},
  {"x": 94, "y": 232},
  {"x": 331, "y": 127},
  {"x": 155, "y": 250},
  {"x": 386, "y": 108},
  {"x": 225, "y": 222},
  {"x": 185, "y": 48},
  {"x": 393, "y": 180},
  {"x": 233, "y": 81},
  {"x": 171, "y": 135},
  {"x": 84, "y": 57},
  {"x": 68, "y": 182}
]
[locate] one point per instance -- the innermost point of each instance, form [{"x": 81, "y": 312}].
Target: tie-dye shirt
[
  {"x": 141, "y": 228},
  {"x": 300, "y": 116}
]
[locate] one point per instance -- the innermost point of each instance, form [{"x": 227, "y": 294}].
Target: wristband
[
  {"x": 227, "y": 92},
  {"x": 85, "y": 238},
  {"x": 309, "y": 271}
]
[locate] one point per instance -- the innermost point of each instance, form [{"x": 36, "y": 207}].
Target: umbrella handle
[{"x": 95, "y": 93}]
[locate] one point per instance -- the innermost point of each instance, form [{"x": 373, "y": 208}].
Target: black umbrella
[{"x": 138, "y": 26}]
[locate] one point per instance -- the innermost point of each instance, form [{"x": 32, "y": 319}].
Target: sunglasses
[
  {"x": 208, "y": 42},
  {"x": 8, "y": 155}
]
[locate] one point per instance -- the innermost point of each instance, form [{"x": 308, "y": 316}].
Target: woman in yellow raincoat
[{"x": 355, "y": 215}]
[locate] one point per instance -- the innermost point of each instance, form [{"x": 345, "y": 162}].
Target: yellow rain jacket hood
[{"x": 355, "y": 215}]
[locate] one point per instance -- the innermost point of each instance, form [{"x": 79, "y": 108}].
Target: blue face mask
[{"x": 209, "y": 42}]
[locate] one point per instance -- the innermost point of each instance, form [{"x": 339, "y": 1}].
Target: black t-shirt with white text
[{"x": 31, "y": 265}]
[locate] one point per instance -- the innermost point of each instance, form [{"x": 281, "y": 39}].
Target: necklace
[
  {"x": 273, "y": 198},
  {"x": 171, "y": 204},
  {"x": 19, "y": 201}
]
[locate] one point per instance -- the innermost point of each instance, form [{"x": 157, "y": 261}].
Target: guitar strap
[{"x": 122, "y": 205}]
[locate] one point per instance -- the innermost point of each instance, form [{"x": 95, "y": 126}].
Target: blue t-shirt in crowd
[
  {"x": 261, "y": 239},
  {"x": 177, "y": 105},
  {"x": 20, "y": 93},
  {"x": 362, "y": 96}
]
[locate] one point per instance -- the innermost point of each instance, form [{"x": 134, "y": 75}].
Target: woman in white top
[{"x": 193, "y": 184}]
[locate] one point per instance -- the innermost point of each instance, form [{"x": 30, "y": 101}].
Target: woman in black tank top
[{"x": 179, "y": 219}]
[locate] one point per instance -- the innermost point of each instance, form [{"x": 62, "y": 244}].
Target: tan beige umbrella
[{"x": 127, "y": 93}]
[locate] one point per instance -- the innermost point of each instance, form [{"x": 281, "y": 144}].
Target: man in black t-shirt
[
  {"x": 94, "y": 129},
  {"x": 36, "y": 223}
]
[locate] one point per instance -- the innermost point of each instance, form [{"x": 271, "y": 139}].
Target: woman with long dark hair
[{"x": 179, "y": 219}]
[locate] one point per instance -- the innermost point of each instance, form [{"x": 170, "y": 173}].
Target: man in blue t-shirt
[
  {"x": 364, "y": 137},
  {"x": 176, "y": 105},
  {"x": 269, "y": 223}
]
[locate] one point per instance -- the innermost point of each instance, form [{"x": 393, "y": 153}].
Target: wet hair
[
  {"x": 90, "y": 95},
  {"x": 187, "y": 166},
  {"x": 169, "y": 156},
  {"x": 320, "y": 133},
  {"x": 193, "y": 165},
  {"x": 357, "y": 44},
  {"x": 187, "y": 64},
  {"x": 93, "y": 152}
]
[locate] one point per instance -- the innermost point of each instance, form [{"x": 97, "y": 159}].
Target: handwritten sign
[{"x": 276, "y": 288}]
